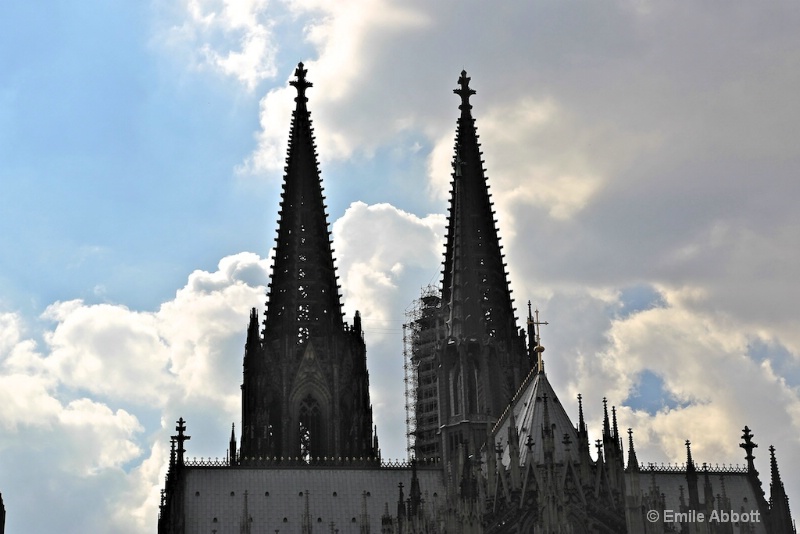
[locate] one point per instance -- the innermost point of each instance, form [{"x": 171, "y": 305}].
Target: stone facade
[{"x": 498, "y": 452}]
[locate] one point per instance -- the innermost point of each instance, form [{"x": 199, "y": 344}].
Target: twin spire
[
  {"x": 304, "y": 292},
  {"x": 303, "y": 296},
  {"x": 475, "y": 283}
]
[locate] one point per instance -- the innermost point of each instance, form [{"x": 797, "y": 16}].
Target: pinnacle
[
  {"x": 301, "y": 84},
  {"x": 689, "y": 461},
  {"x": 464, "y": 91},
  {"x": 776, "y": 476},
  {"x": 633, "y": 463}
]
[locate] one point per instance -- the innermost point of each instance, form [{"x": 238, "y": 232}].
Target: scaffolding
[
  {"x": 420, "y": 333},
  {"x": 410, "y": 382}
]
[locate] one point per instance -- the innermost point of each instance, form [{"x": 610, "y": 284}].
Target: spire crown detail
[
  {"x": 301, "y": 84},
  {"x": 464, "y": 91}
]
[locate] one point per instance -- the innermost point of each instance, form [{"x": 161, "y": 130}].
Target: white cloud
[
  {"x": 112, "y": 342},
  {"x": 626, "y": 144},
  {"x": 704, "y": 363},
  {"x": 234, "y": 37},
  {"x": 375, "y": 247},
  {"x": 182, "y": 359}
]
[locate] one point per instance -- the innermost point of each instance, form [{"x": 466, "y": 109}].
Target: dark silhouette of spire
[
  {"x": 584, "y": 446},
  {"x": 581, "y": 420},
  {"x": 752, "y": 474},
  {"x": 480, "y": 329},
  {"x": 633, "y": 462},
  {"x": 232, "y": 446},
  {"x": 475, "y": 284},
  {"x": 780, "y": 517},
  {"x": 253, "y": 355},
  {"x": 606, "y": 424},
  {"x": 305, "y": 391},
  {"x": 303, "y": 296},
  {"x": 180, "y": 439},
  {"x": 691, "y": 479},
  {"x": 748, "y": 446}
]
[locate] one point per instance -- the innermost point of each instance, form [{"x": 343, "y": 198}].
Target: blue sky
[{"x": 643, "y": 162}]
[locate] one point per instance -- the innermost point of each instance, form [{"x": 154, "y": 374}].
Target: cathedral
[{"x": 494, "y": 450}]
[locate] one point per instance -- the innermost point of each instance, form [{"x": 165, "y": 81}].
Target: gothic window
[
  {"x": 473, "y": 392},
  {"x": 310, "y": 428},
  {"x": 457, "y": 392}
]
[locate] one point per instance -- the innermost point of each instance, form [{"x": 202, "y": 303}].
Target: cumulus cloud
[
  {"x": 234, "y": 38},
  {"x": 628, "y": 145},
  {"x": 76, "y": 398},
  {"x": 384, "y": 256},
  {"x": 376, "y": 246},
  {"x": 711, "y": 387}
]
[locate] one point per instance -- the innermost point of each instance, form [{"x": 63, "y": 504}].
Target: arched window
[{"x": 310, "y": 429}]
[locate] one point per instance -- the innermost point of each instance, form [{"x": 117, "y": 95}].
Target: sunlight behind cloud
[{"x": 232, "y": 36}]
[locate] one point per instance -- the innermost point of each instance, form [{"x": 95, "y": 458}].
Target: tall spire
[
  {"x": 479, "y": 323},
  {"x": 691, "y": 478},
  {"x": 475, "y": 285},
  {"x": 633, "y": 463},
  {"x": 303, "y": 296},
  {"x": 606, "y": 424},
  {"x": 306, "y": 387},
  {"x": 780, "y": 517}
]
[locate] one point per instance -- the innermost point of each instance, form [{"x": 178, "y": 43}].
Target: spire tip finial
[
  {"x": 464, "y": 91},
  {"x": 301, "y": 84}
]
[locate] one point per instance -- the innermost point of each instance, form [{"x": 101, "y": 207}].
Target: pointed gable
[{"x": 535, "y": 410}]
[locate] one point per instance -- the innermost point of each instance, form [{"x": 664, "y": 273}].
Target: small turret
[
  {"x": 232, "y": 458},
  {"x": 691, "y": 479},
  {"x": 780, "y": 518},
  {"x": 633, "y": 463},
  {"x": 752, "y": 473},
  {"x": 583, "y": 445},
  {"x": 180, "y": 439}
]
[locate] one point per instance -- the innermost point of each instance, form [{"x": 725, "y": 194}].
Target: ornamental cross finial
[
  {"x": 464, "y": 91},
  {"x": 301, "y": 84},
  {"x": 537, "y": 323},
  {"x": 537, "y": 338},
  {"x": 180, "y": 439}
]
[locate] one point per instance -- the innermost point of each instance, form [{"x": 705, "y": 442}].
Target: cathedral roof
[{"x": 535, "y": 410}]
